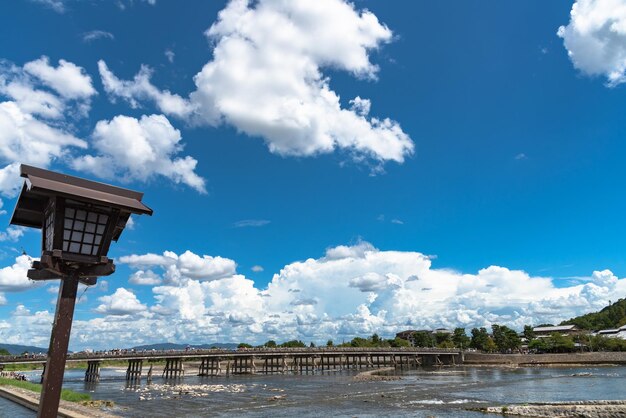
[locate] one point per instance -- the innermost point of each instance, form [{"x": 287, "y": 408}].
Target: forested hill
[{"x": 613, "y": 316}]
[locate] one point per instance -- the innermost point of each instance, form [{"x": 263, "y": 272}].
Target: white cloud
[
  {"x": 595, "y": 38},
  {"x": 94, "y": 35},
  {"x": 350, "y": 290},
  {"x": 33, "y": 125},
  {"x": 251, "y": 222},
  {"x": 12, "y": 233},
  {"x": 25, "y": 139},
  {"x": 269, "y": 82},
  {"x": 186, "y": 266},
  {"x": 169, "y": 54},
  {"x": 146, "y": 278},
  {"x": 140, "y": 88},
  {"x": 56, "y": 5},
  {"x": 139, "y": 149},
  {"x": 68, "y": 80},
  {"x": 122, "y": 302},
  {"x": 257, "y": 269},
  {"x": 13, "y": 278}
]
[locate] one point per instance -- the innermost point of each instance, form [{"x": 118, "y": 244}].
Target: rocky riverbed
[{"x": 587, "y": 409}]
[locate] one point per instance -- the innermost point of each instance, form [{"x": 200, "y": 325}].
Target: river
[{"x": 445, "y": 392}]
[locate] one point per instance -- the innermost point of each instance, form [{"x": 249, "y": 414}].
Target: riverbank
[
  {"x": 30, "y": 400},
  {"x": 587, "y": 409},
  {"x": 546, "y": 360}
]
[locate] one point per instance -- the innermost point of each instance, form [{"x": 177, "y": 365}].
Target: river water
[{"x": 445, "y": 392}]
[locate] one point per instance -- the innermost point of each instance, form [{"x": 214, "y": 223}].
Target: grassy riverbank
[{"x": 66, "y": 394}]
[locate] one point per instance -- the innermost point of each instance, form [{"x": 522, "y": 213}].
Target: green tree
[
  {"x": 271, "y": 344},
  {"x": 479, "y": 339},
  {"x": 529, "y": 334},
  {"x": 505, "y": 338},
  {"x": 329, "y": 343},
  {"x": 244, "y": 345},
  {"x": 398, "y": 342},
  {"x": 460, "y": 338},
  {"x": 423, "y": 339},
  {"x": 490, "y": 345},
  {"x": 376, "y": 341},
  {"x": 293, "y": 344},
  {"x": 312, "y": 345},
  {"x": 360, "y": 342},
  {"x": 4, "y": 352},
  {"x": 443, "y": 338}
]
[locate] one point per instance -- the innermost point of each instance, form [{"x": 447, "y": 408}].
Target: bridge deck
[{"x": 262, "y": 353}]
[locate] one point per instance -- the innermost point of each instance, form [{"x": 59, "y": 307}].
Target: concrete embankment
[
  {"x": 524, "y": 360},
  {"x": 30, "y": 400},
  {"x": 587, "y": 409}
]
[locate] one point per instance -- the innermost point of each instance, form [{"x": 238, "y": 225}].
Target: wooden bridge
[{"x": 216, "y": 362}]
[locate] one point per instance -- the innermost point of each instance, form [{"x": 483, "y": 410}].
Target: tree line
[{"x": 501, "y": 339}]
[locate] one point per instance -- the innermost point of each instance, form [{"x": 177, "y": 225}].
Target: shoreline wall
[{"x": 545, "y": 359}]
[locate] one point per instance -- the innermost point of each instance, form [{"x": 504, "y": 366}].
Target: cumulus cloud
[
  {"x": 595, "y": 38},
  {"x": 13, "y": 278},
  {"x": 147, "y": 278},
  {"x": 270, "y": 83},
  {"x": 182, "y": 267},
  {"x": 350, "y": 290},
  {"x": 139, "y": 149},
  {"x": 33, "y": 121},
  {"x": 140, "y": 88},
  {"x": 257, "y": 269},
  {"x": 122, "y": 302},
  {"x": 68, "y": 80}
]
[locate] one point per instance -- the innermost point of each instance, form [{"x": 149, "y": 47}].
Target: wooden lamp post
[{"x": 79, "y": 218}]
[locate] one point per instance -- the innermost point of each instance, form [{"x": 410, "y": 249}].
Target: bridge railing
[{"x": 115, "y": 354}]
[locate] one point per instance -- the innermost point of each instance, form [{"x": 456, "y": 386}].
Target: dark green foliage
[
  {"x": 600, "y": 343},
  {"x": 529, "y": 334},
  {"x": 4, "y": 352},
  {"x": 460, "y": 338},
  {"x": 480, "y": 339},
  {"x": 271, "y": 344},
  {"x": 398, "y": 342},
  {"x": 612, "y": 316},
  {"x": 505, "y": 338},
  {"x": 443, "y": 338},
  {"x": 424, "y": 339},
  {"x": 244, "y": 345},
  {"x": 293, "y": 343},
  {"x": 329, "y": 343},
  {"x": 555, "y": 343}
]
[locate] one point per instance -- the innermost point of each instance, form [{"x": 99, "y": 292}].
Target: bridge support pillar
[
  {"x": 92, "y": 374},
  {"x": 133, "y": 373},
  {"x": 210, "y": 366},
  {"x": 173, "y": 368}
]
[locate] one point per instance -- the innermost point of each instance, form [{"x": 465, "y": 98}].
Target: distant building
[
  {"x": 565, "y": 330},
  {"x": 613, "y": 333}
]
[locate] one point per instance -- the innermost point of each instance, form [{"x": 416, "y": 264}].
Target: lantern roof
[{"x": 40, "y": 184}]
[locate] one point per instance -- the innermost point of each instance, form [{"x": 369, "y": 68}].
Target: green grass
[{"x": 66, "y": 394}]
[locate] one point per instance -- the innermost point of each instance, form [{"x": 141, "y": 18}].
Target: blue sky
[{"x": 498, "y": 170}]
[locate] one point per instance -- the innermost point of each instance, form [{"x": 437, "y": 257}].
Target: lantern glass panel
[
  {"x": 83, "y": 230},
  {"x": 49, "y": 228}
]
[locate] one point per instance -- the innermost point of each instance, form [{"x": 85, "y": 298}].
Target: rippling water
[{"x": 442, "y": 393}]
